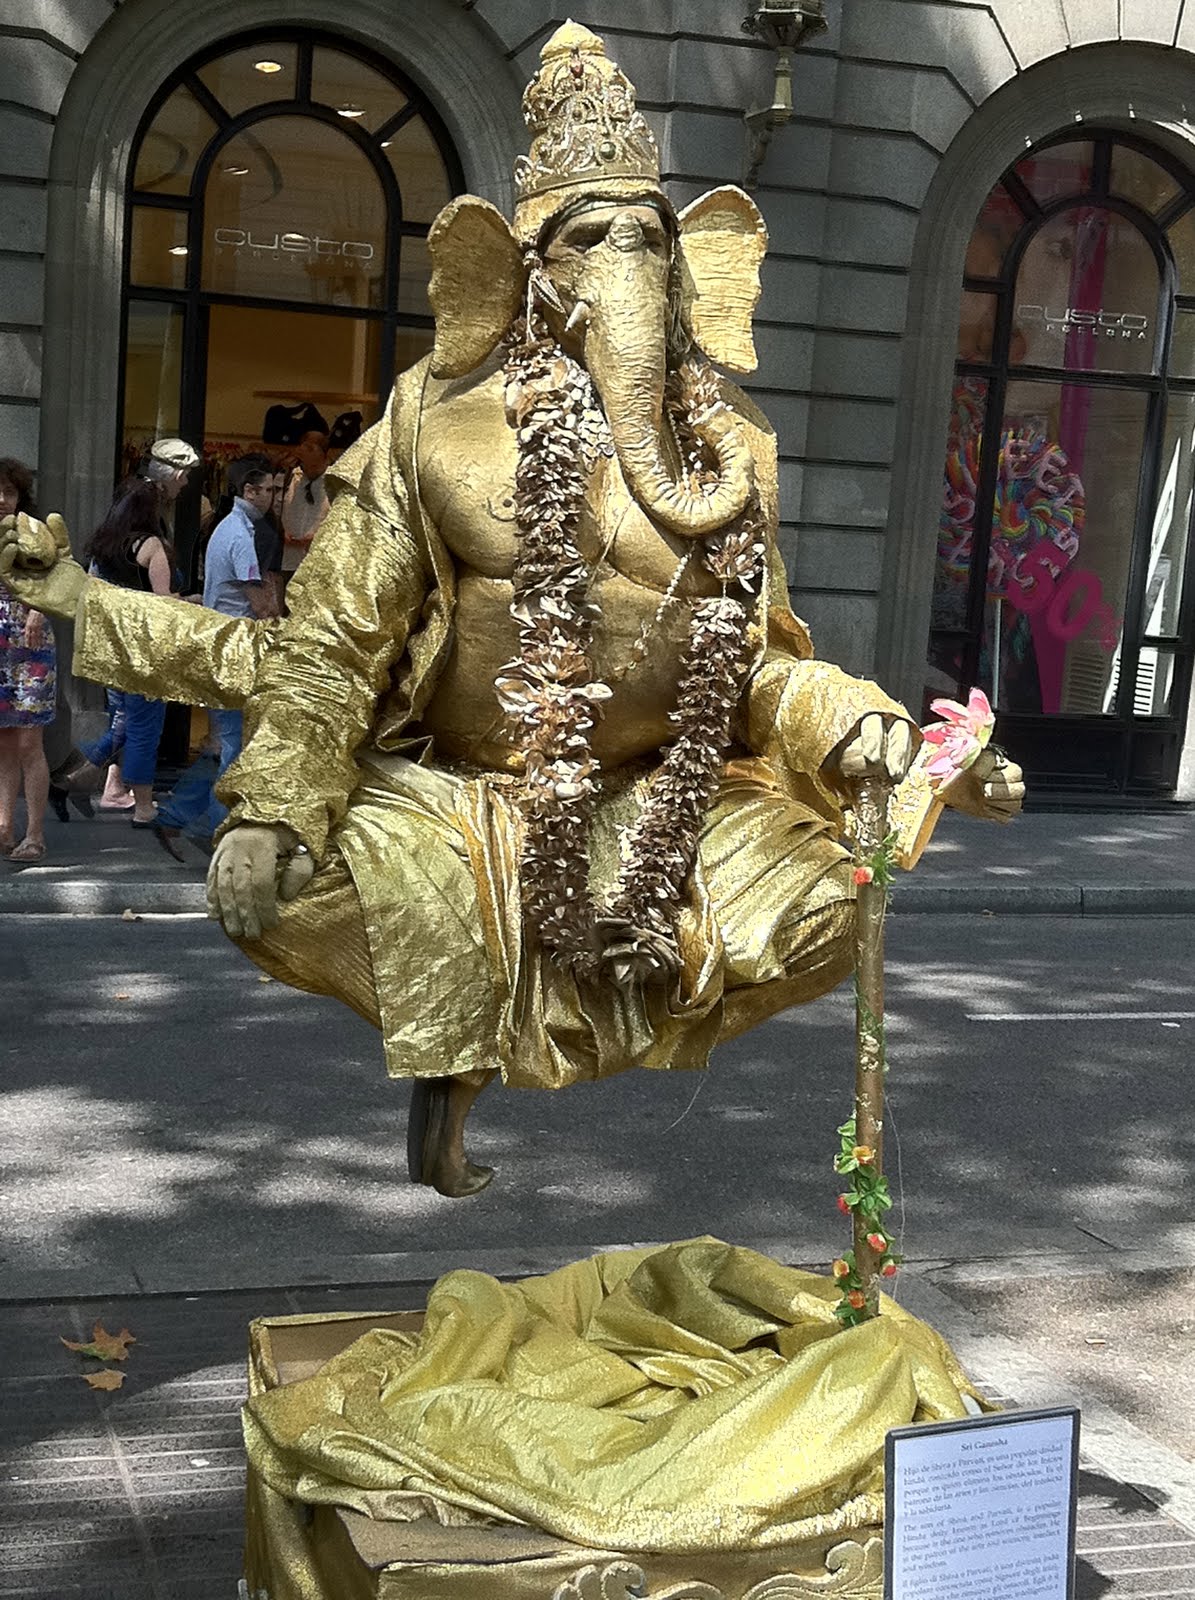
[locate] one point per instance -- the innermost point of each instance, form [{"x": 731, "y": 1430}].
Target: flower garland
[{"x": 553, "y": 699}]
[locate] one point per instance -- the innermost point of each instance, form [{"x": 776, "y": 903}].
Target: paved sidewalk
[{"x": 1045, "y": 863}]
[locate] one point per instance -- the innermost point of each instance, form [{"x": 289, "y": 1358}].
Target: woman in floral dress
[{"x": 27, "y": 691}]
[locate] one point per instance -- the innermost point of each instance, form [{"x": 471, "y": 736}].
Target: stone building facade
[{"x": 908, "y": 113}]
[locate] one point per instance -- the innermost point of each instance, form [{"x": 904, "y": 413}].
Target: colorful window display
[{"x": 1061, "y": 577}]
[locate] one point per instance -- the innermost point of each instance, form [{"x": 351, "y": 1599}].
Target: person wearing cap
[{"x": 132, "y": 548}]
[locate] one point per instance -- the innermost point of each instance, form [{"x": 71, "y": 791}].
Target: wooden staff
[{"x": 871, "y": 829}]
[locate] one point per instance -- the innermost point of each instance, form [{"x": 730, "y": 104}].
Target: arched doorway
[
  {"x": 1063, "y": 583},
  {"x": 280, "y": 192}
]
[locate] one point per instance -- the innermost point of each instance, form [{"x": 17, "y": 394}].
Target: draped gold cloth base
[{"x": 691, "y": 1413}]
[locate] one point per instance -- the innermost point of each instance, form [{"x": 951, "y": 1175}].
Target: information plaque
[{"x": 983, "y": 1508}]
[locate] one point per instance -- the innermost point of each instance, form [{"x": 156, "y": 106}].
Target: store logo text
[
  {"x": 299, "y": 244},
  {"x": 1109, "y": 324}
]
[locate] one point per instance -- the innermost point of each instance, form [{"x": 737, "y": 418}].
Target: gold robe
[{"x": 414, "y": 916}]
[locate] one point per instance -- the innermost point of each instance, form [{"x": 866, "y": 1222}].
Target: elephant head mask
[{"x": 636, "y": 284}]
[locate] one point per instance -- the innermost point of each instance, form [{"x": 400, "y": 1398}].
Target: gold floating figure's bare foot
[{"x": 436, "y": 1135}]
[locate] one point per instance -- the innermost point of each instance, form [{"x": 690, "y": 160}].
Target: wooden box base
[{"x": 297, "y": 1552}]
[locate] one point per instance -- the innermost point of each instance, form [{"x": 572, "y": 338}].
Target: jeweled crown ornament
[{"x": 586, "y": 131}]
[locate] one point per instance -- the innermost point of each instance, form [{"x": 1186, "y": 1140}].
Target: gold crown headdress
[{"x": 587, "y": 132}]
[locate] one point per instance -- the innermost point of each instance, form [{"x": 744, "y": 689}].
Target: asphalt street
[
  {"x": 170, "y": 1121},
  {"x": 173, "y": 1130}
]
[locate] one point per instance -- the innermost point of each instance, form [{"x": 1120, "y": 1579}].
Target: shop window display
[
  {"x": 280, "y": 196},
  {"x": 1062, "y": 566}
]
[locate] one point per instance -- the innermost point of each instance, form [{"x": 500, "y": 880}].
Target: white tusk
[{"x": 578, "y": 317}]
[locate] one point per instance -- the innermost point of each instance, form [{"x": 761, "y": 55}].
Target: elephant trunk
[{"x": 625, "y": 351}]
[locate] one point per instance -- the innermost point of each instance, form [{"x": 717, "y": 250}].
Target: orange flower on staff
[
  {"x": 888, "y": 1270},
  {"x": 863, "y": 1154},
  {"x": 856, "y": 1299},
  {"x": 841, "y": 1269},
  {"x": 844, "y": 1205},
  {"x": 864, "y": 875},
  {"x": 877, "y": 1241}
]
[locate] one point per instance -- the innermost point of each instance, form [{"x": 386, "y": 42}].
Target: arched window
[
  {"x": 280, "y": 196},
  {"x": 1062, "y": 584}
]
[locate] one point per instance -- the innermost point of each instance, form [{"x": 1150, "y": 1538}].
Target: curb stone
[
  {"x": 91, "y": 897},
  {"x": 27, "y": 895}
]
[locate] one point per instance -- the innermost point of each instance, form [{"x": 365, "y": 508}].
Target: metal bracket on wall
[{"x": 784, "y": 25}]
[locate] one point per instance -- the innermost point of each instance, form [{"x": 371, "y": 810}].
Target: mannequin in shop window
[{"x": 540, "y": 774}]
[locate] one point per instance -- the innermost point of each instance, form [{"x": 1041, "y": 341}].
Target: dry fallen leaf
[
  {"x": 120, "y": 997},
  {"x": 108, "y": 1379},
  {"x": 104, "y": 1346}
]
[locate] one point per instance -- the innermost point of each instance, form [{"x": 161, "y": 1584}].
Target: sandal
[{"x": 27, "y": 852}]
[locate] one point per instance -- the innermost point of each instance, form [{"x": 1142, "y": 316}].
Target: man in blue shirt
[{"x": 232, "y": 584}]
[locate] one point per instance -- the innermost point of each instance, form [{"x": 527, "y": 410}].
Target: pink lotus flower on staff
[{"x": 961, "y": 737}]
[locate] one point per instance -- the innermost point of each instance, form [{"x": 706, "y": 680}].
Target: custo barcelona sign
[
  {"x": 297, "y": 244},
  {"x": 1107, "y": 324}
]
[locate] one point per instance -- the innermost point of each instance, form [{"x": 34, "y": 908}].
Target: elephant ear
[
  {"x": 476, "y": 285},
  {"x": 723, "y": 240}
]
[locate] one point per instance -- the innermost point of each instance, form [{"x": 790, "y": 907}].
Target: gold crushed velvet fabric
[
  {"x": 430, "y": 924},
  {"x": 697, "y": 1397}
]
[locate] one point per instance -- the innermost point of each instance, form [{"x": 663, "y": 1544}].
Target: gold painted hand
[
  {"x": 37, "y": 566},
  {"x": 880, "y": 747},
  {"x": 993, "y": 788},
  {"x": 255, "y": 866}
]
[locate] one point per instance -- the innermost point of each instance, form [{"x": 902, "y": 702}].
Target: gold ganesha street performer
[{"x": 540, "y": 776}]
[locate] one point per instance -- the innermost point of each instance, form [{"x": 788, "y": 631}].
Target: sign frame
[{"x": 997, "y": 1419}]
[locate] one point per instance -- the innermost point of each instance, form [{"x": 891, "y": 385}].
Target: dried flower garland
[{"x": 553, "y": 700}]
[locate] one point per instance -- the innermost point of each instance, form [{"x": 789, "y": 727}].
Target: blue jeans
[
  {"x": 110, "y": 743},
  {"x": 192, "y": 805},
  {"x": 143, "y": 733}
]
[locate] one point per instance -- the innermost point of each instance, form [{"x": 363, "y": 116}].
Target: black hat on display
[
  {"x": 346, "y": 430},
  {"x": 286, "y": 425}
]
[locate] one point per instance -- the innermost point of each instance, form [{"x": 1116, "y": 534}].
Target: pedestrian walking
[
  {"x": 235, "y": 584},
  {"x": 27, "y": 695},
  {"x": 106, "y": 751},
  {"x": 133, "y": 548}
]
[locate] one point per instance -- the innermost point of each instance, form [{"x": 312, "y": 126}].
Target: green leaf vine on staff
[{"x": 868, "y": 1197}]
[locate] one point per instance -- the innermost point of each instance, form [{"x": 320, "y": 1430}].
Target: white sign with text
[{"x": 983, "y": 1508}]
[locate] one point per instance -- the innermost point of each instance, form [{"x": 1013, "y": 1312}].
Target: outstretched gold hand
[{"x": 37, "y": 566}]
